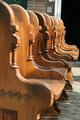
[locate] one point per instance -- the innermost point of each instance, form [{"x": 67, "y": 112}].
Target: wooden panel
[{"x": 8, "y": 114}]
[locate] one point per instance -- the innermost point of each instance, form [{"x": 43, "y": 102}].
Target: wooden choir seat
[
  {"x": 64, "y": 45},
  {"x": 53, "y": 53},
  {"x": 38, "y": 58},
  {"x": 50, "y": 44},
  {"x": 54, "y": 43},
  {"x": 25, "y": 87},
  {"x": 73, "y": 55},
  {"x": 37, "y": 46},
  {"x": 42, "y": 55}
]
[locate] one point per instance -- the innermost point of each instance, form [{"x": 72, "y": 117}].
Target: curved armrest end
[{"x": 41, "y": 92}]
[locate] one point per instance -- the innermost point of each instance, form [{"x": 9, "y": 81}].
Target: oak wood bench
[{"x": 25, "y": 89}]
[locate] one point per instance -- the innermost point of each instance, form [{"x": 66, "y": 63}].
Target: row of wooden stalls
[{"x": 34, "y": 69}]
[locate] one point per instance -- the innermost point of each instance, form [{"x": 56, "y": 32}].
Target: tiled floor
[{"x": 70, "y": 109}]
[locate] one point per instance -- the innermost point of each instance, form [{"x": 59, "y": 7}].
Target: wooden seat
[
  {"x": 65, "y": 46},
  {"x": 38, "y": 58},
  {"x": 50, "y": 44},
  {"x": 57, "y": 54},
  {"x": 58, "y": 44},
  {"x": 23, "y": 85},
  {"x": 54, "y": 54},
  {"x": 44, "y": 73},
  {"x": 47, "y": 61}
]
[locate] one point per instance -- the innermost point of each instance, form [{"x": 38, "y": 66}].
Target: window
[{"x": 49, "y": 9}]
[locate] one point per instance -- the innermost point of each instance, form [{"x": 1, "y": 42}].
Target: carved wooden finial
[{"x": 14, "y": 28}]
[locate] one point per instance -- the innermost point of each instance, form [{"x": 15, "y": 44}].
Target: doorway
[{"x": 70, "y": 14}]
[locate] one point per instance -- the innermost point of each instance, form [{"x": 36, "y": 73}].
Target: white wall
[{"x": 58, "y": 4}]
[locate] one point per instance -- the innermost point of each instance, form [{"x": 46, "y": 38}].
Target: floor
[{"x": 70, "y": 109}]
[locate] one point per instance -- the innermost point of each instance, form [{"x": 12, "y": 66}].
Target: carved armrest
[{"x": 39, "y": 89}]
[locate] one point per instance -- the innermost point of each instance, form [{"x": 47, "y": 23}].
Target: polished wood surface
[
  {"x": 58, "y": 46},
  {"x": 63, "y": 42},
  {"x": 43, "y": 49},
  {"x": 31, "y": 80},
  {"x": 54, "y": 54},
  {"x": 16, "y": 92},
  {"x": 23, "y": 84}
]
